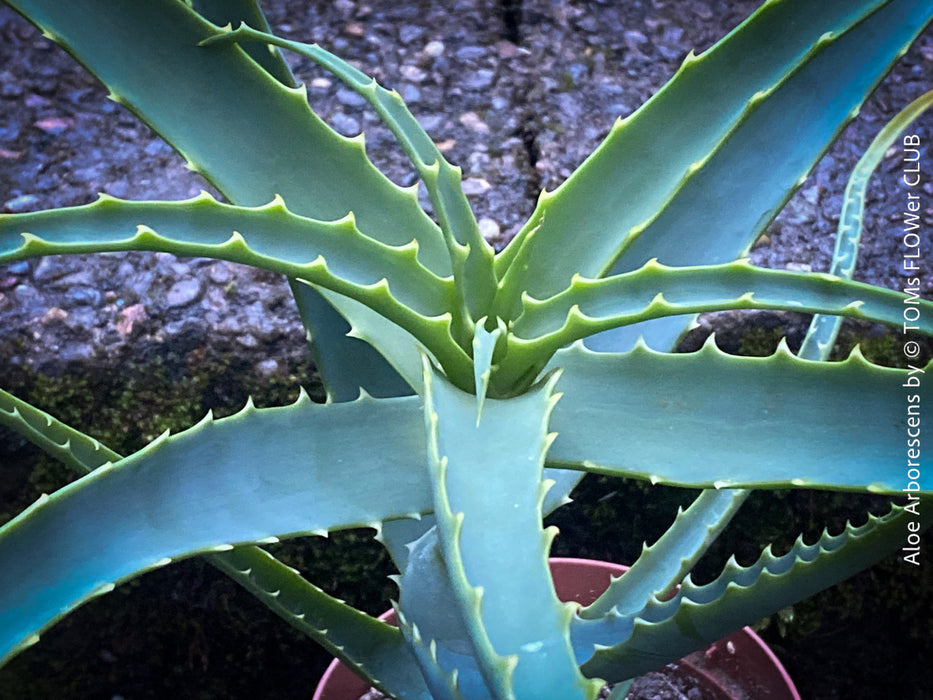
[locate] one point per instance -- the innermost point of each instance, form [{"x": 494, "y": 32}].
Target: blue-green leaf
[
  {"x": 698, "y": 615},
  {"x": 707, "y": 419},
  {"x": 256, "y": 476},
  {"x": 521, "y": 651}
]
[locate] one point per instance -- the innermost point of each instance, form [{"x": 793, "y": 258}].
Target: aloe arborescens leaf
[{"x": 260, "y": 474}]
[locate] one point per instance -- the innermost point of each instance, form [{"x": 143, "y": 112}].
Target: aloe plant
[{"x": 492, "y": 406}]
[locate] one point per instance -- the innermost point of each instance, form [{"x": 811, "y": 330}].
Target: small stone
[
  {"x": 488, "y": 228},
  {"x": 475, "y": 186},
  {"x": 51, "y": 268},
  {"x": 345, "y": 125},
  {"x": 479, "y": 80},
  {"x": 703, "y": 12},
  {"x": 34, "y": 101},
  {"x": 410, "y": 94},
  {"x": 20, "y": 267},
  {"x": 83, "y": 296},
  {"x": 183, "y": 293},
  {"x": 349, "y": 98},
  {"x": 247, "y": 340},
  {"x": 434, "y": 49},
  {"x": 21, "y": 203},
  {"x": 131, "y": 318},
  {"x": 76, "y": 352},
  {"x": 54, "y": 125},
  {"x": 506, "y": 49},
  {"x": 24, "y": 293},
  {"x": 354, "y": 29},
  {"x": 220, "y": 273},
  {"x": 412, "y": 74},
  {"x": 470, "y": 53},
  {"x": 267, "y": 368},
  {"x": 472, "y": 122},
  {"x": 53, "y": 315},
  {"x": 409, "y": 33}
]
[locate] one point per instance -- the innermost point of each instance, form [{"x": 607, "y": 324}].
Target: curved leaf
[
  {"x": 698, "y": 615},
  {"x": 822, "y": 332},
  {"x": 367, "y": 645},
  {"x": 471, "y": 256},
  {"x": 248, "y": 134},
  {"x": 661, "y": 567},
  {"x": 255, "y": 476},
  {"x": 805, "y": 69},
  {"x": 334, "y": 255},
  {"x": 654, "y": 291},
  {"x": 521, "y": 651},
  {"x": 374, "y": 649},
  {"x": 224, "y": 12}
]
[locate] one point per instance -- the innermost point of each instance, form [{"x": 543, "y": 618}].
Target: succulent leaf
[
  {"x": 698, "y": 615},
  {"x": 272, "y": 143},
  {"x": 590, "y": 306},
  {"x": 234, "y": 12},
  {"x": 711, "y": 420},
  {"x": 821, "y": 335},
  {"x": 345, "y": 364},
  {"x": 255, "y": 476},
  {"x": 374, "y": 649},
  {"x": 485, "y": 345},
  {"x": 662, "y": 566},
  {"x": 443, "y": 685},
  {"x": 805, "y": 71},
  {"x": 334, "y": 254},
  {"x": 471, "y": 257},
  {"x": 522, "y": 650}
]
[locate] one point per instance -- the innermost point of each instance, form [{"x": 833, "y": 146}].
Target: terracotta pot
[{"x": 739, "y": 667}]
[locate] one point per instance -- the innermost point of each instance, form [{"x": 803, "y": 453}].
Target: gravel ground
[{"x": 516, "y": 98}]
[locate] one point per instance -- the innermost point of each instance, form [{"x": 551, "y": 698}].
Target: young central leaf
[{"x": 488, "y": 492}]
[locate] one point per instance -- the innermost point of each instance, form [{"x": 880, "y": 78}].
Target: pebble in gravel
[{"x": 183, "y": 293}]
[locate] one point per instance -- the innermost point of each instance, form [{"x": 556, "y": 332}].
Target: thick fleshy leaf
[
  {"x": 443, "y": 685},
  {"x": 255, "y": 476},
  {"x": 471, "y": 256},
  {"x": 335, "y": 255},
  {"x": 233, "y": 12},
  {"x": 805, "y": 69},
  {"x": 707, "y": 419},
  {"x": 372, "y": 648},
  {"x": 821, "y": 335},
  {"x": 698, "y": 615},
  {"x": 654, "y": 291},
  {"x": 344, "y": 363},
  {"x": 662, "y": 566},
  {"x": 521, "y": 651},
  {"x": 270, "y": 144},
  {"x": 252, "y": 137}
]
